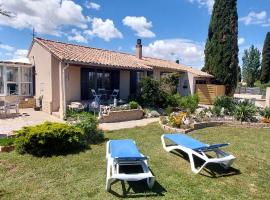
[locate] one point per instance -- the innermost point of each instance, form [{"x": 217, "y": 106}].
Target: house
[
  {"x": 67, "y": 72},
  {"x": 16, "y": 80}
]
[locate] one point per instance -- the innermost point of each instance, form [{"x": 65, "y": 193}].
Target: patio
[{"x": 26, "y": 117}]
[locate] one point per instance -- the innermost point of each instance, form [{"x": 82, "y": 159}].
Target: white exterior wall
[{"x": 267, "y": 102}]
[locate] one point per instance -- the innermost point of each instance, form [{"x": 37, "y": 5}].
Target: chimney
[
  {"x": 177, "y": 61},
  {"x": 139, "y": 49}
]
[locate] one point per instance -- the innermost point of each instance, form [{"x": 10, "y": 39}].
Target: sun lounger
[
  {"x": 124, "y": 153},
  {"x": 195, "y": 148}
]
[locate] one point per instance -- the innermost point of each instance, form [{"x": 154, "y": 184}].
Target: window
[
  {"x": 1, "y": 80},
  {"x": 26, "y": 81},
  {"x": 16, "y": 81},
  {"x": 140, "y": 75},
  {"x": 12, "y": 80}
]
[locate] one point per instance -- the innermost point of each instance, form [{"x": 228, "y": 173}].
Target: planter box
[
  {"x": 6, "y": 148},
  {"x": 120, "y": 116}
]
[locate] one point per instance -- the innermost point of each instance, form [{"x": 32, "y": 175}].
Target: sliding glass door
[{"x": 98, "y": 79}]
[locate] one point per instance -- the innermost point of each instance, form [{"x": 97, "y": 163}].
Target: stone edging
[
  {"x": 202, "y": 125},
  {"x": 7, "y": 148}
]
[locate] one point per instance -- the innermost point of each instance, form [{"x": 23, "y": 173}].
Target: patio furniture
[
  {"x": 102, "y": 92},
  {"x": 3, "y": 107},
  {"x": 124, "y": 153},
  {"x": 95, "y": 95},
  {"x": 114, "y": 94},
  {"x": 13, "y": 104},
  {"x": 195, "y": 148},
  {"x": 76, "y": 106}
]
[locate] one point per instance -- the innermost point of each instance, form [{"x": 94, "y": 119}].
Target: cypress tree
[
  {"x": 221, "y": 50},
  {"x": 265, "y": 73}
]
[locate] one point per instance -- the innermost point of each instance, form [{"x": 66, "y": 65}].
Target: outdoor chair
[
  {"x": 95, "y": 95},
  {"x": 13, "y": 105},
  {"x": 114, "y": 94},
  {"x": 124, "y": 153},
  {"x": 195, "y": 148},
  {"x": 3, "y": 107},
  {"x": 102, "y": 93}
]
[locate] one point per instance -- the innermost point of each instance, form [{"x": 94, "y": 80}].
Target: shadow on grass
[
  {"x": 212, "y": 170},
  {"x": 71, "y": 151},
  {"x": 136, "y": 189}
]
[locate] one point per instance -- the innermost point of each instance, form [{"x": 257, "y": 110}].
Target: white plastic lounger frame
[
  {"x": 113, "y": 166},
  {"x": 223, "y": 158}
]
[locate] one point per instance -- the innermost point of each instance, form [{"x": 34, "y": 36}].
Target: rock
[{"x": 154, "y": 113}]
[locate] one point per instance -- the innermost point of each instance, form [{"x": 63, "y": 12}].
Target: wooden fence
[{"x": 208, "y": 92}]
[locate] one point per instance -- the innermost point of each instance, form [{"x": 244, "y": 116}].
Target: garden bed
[
  {"x": 6, "y": 144},
  {"x": 201, "y": 125},
  {"x": 121, "y": 115}
]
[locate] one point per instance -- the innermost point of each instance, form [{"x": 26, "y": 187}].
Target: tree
[
  {"x": 265, "y": 74},
  {"x": 239, "y": 74},
  {"x": 251, "y": 65},
  {"x": 221, "y": 50}
]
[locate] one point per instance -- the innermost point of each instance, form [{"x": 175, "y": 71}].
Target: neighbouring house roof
[
  {"x": 87, "y": 55},
  {"x": 14, "y": 63}
]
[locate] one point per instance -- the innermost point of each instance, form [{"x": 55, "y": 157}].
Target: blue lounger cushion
[
  {"x": 189, "y": 142},
  {"x": 125, "y": 150}
]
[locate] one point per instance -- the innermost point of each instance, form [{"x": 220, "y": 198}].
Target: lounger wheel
[{"x": 150, "y": 182}]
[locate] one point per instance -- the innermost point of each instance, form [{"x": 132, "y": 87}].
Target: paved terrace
[{"x": 27, "y": 117}]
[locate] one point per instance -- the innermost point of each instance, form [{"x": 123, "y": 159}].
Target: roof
[
  {"x": 14, "y": 63},
  {"x": 79, "y": 54}
]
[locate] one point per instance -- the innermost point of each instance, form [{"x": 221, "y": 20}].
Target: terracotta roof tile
[{"x": 89, "y": 55}]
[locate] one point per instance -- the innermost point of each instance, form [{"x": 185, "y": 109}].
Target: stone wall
[{"x": 120, "y": 116}]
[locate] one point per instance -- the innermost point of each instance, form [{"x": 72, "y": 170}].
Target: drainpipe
[{"x": 64, "y": 87}]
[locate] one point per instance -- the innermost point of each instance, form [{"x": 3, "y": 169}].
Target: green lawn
[{"x": 82, "y": 176}]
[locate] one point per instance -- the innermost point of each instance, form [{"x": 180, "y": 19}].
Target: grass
[
  {"x": 7, "y": 141},
  {"x": 82, "y": 176}
]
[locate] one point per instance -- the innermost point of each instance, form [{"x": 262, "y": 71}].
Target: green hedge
[{"x": 49, "y": 139}]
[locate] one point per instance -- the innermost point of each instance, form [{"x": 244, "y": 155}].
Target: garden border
[{"x": 202, "y": 125}]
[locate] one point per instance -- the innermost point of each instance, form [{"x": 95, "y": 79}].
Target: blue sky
[{"x": 169, "y": 29}]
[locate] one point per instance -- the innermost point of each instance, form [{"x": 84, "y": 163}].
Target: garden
[{"x": 82, "y": 175}]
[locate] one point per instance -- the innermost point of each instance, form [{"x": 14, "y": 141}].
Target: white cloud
[
  {"x": 20, "y": 55},
  {"x": 6, "y": 47},
  {"x": 104, "y": 29},
  {"x": 241, "y": 41},
  {"x": 77, "y": 36},
  {"x": 205, "y": 3},
  {"x": 140, "y": 25},
  {"x": 46, "y": 17},
  {"x": 189, "y": 52},
  {"x": 92, "y": 5},
  {"x": 256, "y": 18}
]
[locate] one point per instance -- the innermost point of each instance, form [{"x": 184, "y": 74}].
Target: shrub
[
  {"x": 150, "y": 93},
  {"x": 190, "y": 103},
  {"x": 49, "y": 139},
  {"x": 88, "y": 124},
  {"x": 168, "y": 110},
  {"x": 245, "y": 111},
  {"x": 265, "y": 113},
  {"x": 133, "y": 105},
  {"x": 173, "y": 100},
  {"x": 169, "y": 83},
  {"x": 7, "y": 141},
  {"x": 225, "y": 102}
]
